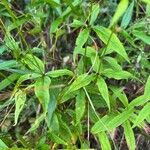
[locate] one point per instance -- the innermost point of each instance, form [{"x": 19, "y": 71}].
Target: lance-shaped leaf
[
  {"x": 102, "y": 86},
  {"x": 111, "y": 40},
  {"x": 58, "y": 73},
  {"x": 121, "y": 8},
  {"x": 118, "y": 75},
  {"x": 142, "y": 36},
  {"x": 142, "y": 115},
  {"x": 81, "y": 40},
  {"x": 127, "y": 16},
  {"x": 81, "y": 81},
  {"x": 34, "y": 63},
  {"x": 37, "y": 122},
  {"x": 20, "y": 98},
  {"x": 94, "y": 14},
  {"x": 109, "y": 124},
  {"x": 42, "y": 91},
  {"x": 80, "y": 106},
  {"x": 104, "y": 141},
  {"x": 129, "y": 135}
]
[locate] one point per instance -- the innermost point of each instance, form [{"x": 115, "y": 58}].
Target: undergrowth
[{"x": 74, "y": 74}]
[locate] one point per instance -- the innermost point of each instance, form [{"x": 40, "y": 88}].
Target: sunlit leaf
[
  {"x": 129, "y": 135},
  {"x": 3, "y": 145},
  {"x": 94, "y": 13},
  {"x": 127, "y": 16},
  {"x": 104, "y": 141},
  {"x": 42, "y": 91},
  {"x": 121, "y": 8}
]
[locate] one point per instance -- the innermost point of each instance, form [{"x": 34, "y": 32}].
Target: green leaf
[
  {"x": 142, "y": 36},
  {"x": 129, "y": 135},
  {"x": 11, "y": 44},
  {"x": 142, "y": 115},
  {"x": 102, "y": 86},
  {"x": 37, "y": 122},
  {"x": 77, "y": 23},
  {"x": 42, "y": 91},
  {"x": 147, "y": 89},
  {"x": 138, "y": 101},
  {"x": 94, "y": 13},
  {"x": 55, "y": 138},
  {"x": 80, "y": 41},
  {"x": 2, "y": 49},
  {"x": 112, "y": 43},
  {"x": 110, "y": 124},
  {"x": 143, "y": 98},
  {"x": 80, "y": 106},
  {"x": 81, "y": 81},
  {"x": 121, "y": 95},
  {"x": 4, "y": 65},
  {"x": 52, "y": 3},
  {"x": 113, "y": 63},
  {"x": 8, "y": 80},
  {"x": 104, "y": 141},
  {"x": 55, "y": 24},
  {"x": 58, "y": 73},
  {"x": 146, "y": 1},
  {"x": 27, "y": 77},
  {"x": 148, "y": 9},
  {"x": 20, "y": 98},
  {"x": 121, "y": 8},
  {"x": 3, "y": 145},
  {"x": 82, "y": 37},
  {"x": 34, "y": 63},
  {"x": 19, "y": 21},
  {"x": 127, "y": 16},
  {"x": 118, "y": 75}
]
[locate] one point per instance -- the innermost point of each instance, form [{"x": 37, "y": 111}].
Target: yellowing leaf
[
  {"x": 121, "y": 8},
  {"x": 42, "y": 91},
  {"x": 20, "y": 98}
]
